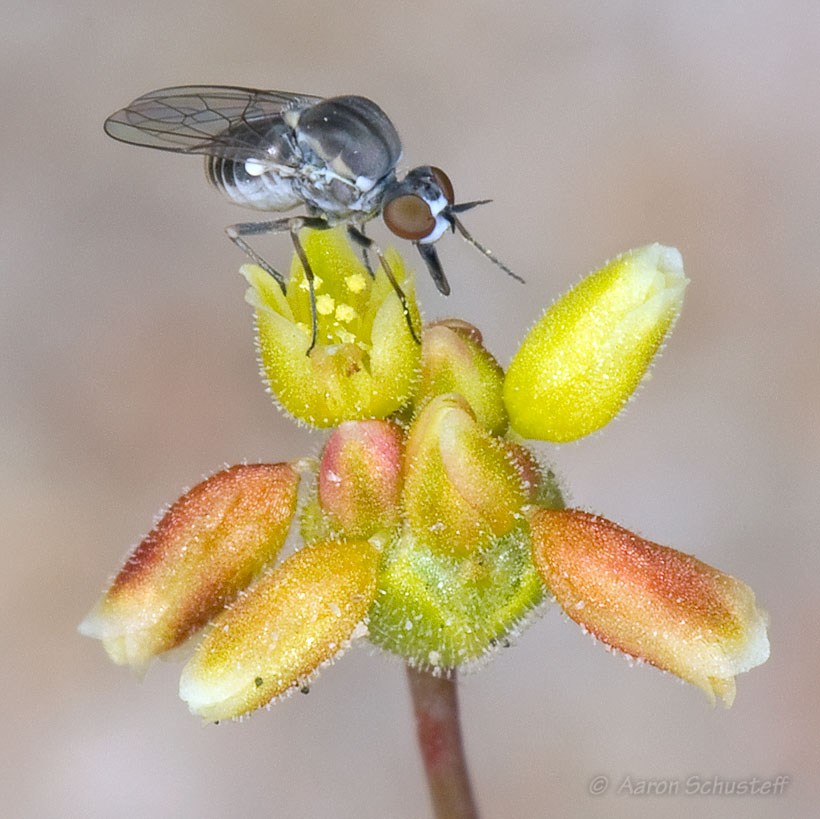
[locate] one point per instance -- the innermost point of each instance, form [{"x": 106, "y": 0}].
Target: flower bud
[
  {"x": 583, "y": 359},
  {"x": 210, "y": 544},
  {"x": 365, "y": 362},
  {"x": 360, "y": 477},
  {"x": 454, "y": 360},
  {"x": 651, "y": 602},
  {"x": 275, "y": 636},
  {"x": 536, "y": 485},
  {"x": 461, "y": 487}
]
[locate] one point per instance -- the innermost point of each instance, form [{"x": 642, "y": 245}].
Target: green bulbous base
[{"x": 438, "y": 611}]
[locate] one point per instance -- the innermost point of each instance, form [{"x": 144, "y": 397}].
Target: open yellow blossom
[{"x": 365, "y": 362}]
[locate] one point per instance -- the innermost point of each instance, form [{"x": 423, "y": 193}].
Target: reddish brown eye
[
  {"x": 444, "y": 183},
  {"x": 409, "y": 216}
]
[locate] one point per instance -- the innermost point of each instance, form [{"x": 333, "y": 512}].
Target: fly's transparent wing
[{"x": 217, "y": 120}]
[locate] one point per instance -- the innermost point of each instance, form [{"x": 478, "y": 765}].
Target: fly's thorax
[
  {"x": 350, "y": 136},
  {"x": 349, "y": 152},
  {"x": 339, "y": 198}
]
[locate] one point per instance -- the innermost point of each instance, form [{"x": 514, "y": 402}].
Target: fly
[{"x": 275, "y": 151}]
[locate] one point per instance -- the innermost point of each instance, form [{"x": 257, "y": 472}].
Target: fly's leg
[
  {"x": 354, "y": 234},
  {"x": 296, "y": 224},
  {"x": 236, "y": 232},
  {"x": 292, "y": 225},
  {"x": 368, "y": 244}
]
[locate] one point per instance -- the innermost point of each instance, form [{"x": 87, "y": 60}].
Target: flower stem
[{"x": 435, "y": 703}]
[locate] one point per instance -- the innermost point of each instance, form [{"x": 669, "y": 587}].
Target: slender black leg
[
  {"x": 236, "y": 232},
  {"x": 292, "y": 225},
  {"x": 300, "y": 252},
  {"x": 355, "y": 233},
  {"x": 368, "y": 244}
]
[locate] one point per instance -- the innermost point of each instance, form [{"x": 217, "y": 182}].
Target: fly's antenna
[{"x": 457, "y": 224}]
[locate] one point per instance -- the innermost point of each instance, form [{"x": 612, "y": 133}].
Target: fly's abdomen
[{"x": 262, "y": 191}]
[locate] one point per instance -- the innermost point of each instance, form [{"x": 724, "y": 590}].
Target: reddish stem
[{"x": 435, "y": 703}]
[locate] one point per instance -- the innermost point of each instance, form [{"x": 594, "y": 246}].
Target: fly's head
[
  {"x": 417, "y": 207},
  {"x": 421, "y": 207}
]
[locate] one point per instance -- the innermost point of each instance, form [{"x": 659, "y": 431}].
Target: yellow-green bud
[
  {"x": 274, "y": 638},
  {"x": 461, "y": 486},
  {"x": 453, "y": 359},
  {"x": 583, "y": 359}
]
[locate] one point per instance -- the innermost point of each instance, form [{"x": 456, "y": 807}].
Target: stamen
[
  {"x": 356, "y": 282},
  {"x": 345, "y": 313},
  {"x": 325, "y": 304}
]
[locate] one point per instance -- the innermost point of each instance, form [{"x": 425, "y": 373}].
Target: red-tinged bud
[
  {"x": 462, "y": 327},
  {"x": 649, "y": 601},
  {"x": 540, "y": 485},
  {"x": 528, "y": 468},
  {"x": 276, "y": 635},
  {"x": 360, "y": 477},
  {"x": 461, "y": 488},
  {"x": 209, "y": 545},
  {"x": 453, "y": 359}
]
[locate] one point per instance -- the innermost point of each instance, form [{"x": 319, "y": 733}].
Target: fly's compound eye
[
  {"x": 444, "y": 183},
  {"x": 409, "y": 217}
]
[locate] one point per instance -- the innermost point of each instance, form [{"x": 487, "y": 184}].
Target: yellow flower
[
  {"x": 428, "y": 526},
  {"x": 365, "y": 363}
]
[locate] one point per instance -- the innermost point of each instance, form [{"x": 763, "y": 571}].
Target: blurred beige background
[{"x": 128, "y": 372}]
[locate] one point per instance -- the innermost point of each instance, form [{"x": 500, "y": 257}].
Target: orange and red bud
[
  {"x": 208, "y": 546},
  {"x": 649, "y": 601},
  {"x": 359, "y": 479},
  {"x": 277, "y": 634}
]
